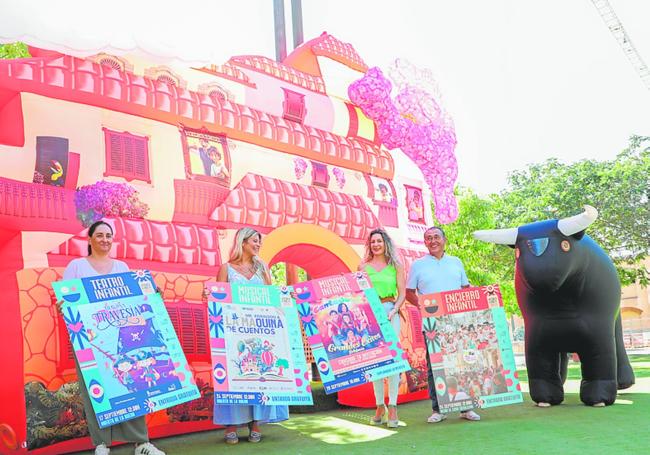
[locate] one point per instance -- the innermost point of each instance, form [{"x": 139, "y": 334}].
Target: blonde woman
[
  {"x": 388, "y": 278},
  {"x": 244, "y": 266}
]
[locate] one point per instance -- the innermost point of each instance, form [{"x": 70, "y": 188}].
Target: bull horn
[
  {"x": 577, "y": 223},
  {"x": 499, "y": 236}
]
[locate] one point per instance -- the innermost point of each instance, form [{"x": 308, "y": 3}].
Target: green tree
[
  {"x": 279, "y": 274},
  {"x": 14, "y": 50},
  {"x": 619, "y": 189},
  {"x": 282, "y": 364},
  {"x": 485, "y": 263}
]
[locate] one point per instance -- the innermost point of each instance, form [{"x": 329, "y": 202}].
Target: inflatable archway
[
  {"x": 177, "y": 159},
  {"x": 317, "y": 250}
]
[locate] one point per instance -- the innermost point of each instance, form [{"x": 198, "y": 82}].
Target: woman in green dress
[{"x": 389, "y": 280}]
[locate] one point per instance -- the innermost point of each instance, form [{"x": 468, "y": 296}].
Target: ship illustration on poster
[
  {"x": 143, "y": 360},
  {"x": 125, "y": 344}
]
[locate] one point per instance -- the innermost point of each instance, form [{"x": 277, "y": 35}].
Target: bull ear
[{"x": 578, "y": 235}]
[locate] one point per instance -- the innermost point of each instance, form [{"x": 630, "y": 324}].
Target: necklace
[{"x": 248, "y": 269}]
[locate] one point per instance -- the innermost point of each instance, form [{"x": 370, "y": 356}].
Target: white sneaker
[
  {"x": 436, "y": 417},
  {"x": 101, "y": 449},
  {"x": 148, "y": 449},
  {"x": 470, "y": 415}
]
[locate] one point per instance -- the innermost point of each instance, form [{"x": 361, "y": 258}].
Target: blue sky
[{"x": 524, "y": 80}]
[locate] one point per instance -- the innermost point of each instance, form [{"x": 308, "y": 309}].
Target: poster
[
  {"x": 470, "y": 349},
  {"x": 414, "y": 204},
  {"x": 207, "y": 157},
  {"x": 126, "y": 346},
  {"x": 383, "y": 191},
  {"x": 51, "y": 166},
  {"x": 415, "y": 347},
  {"x": 348, "y": 329},
  {"x": 256, "y": 346}
]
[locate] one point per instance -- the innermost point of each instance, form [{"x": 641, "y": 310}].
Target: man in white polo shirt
[{"x": 436, "y": 272}]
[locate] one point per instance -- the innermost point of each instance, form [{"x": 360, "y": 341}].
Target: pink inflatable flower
[{"x": 415, "y": 123}]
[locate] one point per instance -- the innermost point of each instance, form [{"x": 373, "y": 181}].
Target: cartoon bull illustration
[{"x": 569, "y": 294}]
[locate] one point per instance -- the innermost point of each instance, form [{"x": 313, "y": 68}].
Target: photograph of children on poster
[
  {"x": 470, "y": 350},
  {"x": 125, "y": 344},
  {"x": 256, "y": 346},
  {"x": 207, "y": 156},
  {"x": 351, "y": 338},
  {"x": 348, "y": 327}
]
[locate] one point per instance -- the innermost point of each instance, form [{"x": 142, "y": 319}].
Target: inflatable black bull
[{"x": 569, "y": 295}]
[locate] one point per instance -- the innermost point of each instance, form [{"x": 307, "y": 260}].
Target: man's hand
[{"x": 412, "y": 297}]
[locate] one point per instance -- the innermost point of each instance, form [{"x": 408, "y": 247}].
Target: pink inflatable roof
[{"x": 267, "y": 203}]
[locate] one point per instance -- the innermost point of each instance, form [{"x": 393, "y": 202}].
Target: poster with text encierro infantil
[
  {"x": 470, "y": 349},
  {"x": 125, "y": 345},
  {"x": 256, "y": 346},
  {"x": 348, "y": 329}
]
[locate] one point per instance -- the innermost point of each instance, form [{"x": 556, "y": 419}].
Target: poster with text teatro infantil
[
  {"x": 470, "y": 349},
  {"x": 348, "y": 329},
  {"x": 256, "y": 346},
  {"x": 125, "y": 344}
]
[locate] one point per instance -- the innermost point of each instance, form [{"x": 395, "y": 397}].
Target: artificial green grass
[{"x": 571, "y": 428}]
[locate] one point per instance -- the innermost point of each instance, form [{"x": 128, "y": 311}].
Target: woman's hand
[
  {"x": 392, "y": 313},
  {"x": 204, "y": 295},
  {"x": 59, "y": 304}
]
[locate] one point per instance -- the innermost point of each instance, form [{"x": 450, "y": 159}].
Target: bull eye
[
  {"x": 565, "y": 245},
  {"x": 537, "y": 246}
]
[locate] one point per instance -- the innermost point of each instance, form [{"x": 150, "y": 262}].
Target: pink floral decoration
[
  {"x": 339, "y": 175},
  {"x": 299, "y": 167},
  {"x": 101, "y": 199},
  {"x": 38, "y": 177},
  {"x": 415, "y": 123}
]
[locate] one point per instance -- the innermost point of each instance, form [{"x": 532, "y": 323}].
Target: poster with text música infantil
[{"x": 256, "y": 346}]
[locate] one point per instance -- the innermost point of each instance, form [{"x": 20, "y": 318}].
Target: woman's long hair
[
  {"x": 237, "y": 251},
  {"x": 91, "y": 230},
  {"x": 390, "y": 252}
]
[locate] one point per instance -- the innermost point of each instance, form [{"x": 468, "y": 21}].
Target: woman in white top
[
  {"x": 98, "y": 262},
  {"x": 244, "y": 266}
]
